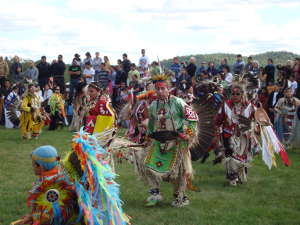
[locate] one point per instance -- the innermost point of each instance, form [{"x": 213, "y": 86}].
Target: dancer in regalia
[
  {"x": 31, "y": 119},
  {"x": 171, "y": 127},
  {"x": 53, "y": 199}
]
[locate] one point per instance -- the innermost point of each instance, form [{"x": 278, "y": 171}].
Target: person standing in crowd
[
  {"x": 155, "y": 69},
  {"x": 88, "y": 73},
  {"x": 4, "y": 91},
  {"x": 31, "y": 75},
  {"x": 126, "y": 64},
  {"x": 184, "y": 81},
  {"x": 270, "y": 72},
  {"x": 44, "y": 71},
  {"x": 143, "y": 63},
  {"x": 222, "y": 65},
  {"x": 296, "y": 72},
  {"x": 274, "y": 96},
  {"x": 293, "y": 84},
  {"x": 175, "y": 68},
  {"x": 254, "y": 69},
  {"x": 16, "y": 70},
  {"x": 228, "y": 76},
  {"x": 4, "y": 71},
  {"x": 107, "y": 64},
  {"x": 200, "y": 70},
  {"x": 11, "y": 99},
  {"x": 239, "y": 65},
  {"x": 97, "y": 61},
  {"x": 77, "y": 59},
  {"x": 133, "y": 72},
  {"x": 75, "y": 74},
  {"x": 47, "y": 92},
  {"x": 102, "y": 77},
  {"x": 249, "y": 65},
  {"x": 191, "y": 68},
  {"x": 58, "y": 70},
  {"x": 211, "y": 70},
  {"x": 120, "y": 75},
  {"x": 87, "y": 59}
]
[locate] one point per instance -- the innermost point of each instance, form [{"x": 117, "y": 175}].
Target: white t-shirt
[
  {"x": 228, "y": 78},
  {"x": 294, "y": 86},
  {"x": 144, "y": 62},
  {"x": 47, "y": 94},
  {"x": 90, "y": 71}
]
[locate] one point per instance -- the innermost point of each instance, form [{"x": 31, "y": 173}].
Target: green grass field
[{"x": 269, "y": 197}]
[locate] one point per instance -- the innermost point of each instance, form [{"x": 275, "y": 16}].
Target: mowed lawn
[{"x": 269, "y": 197}]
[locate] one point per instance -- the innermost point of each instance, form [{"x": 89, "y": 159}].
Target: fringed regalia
[
  {"x": 11, "y": 110},
  {"x": 57, "y": 111},
  {"x": 168, "y": 157},
  {"x": 285, "y": 117},
  {"x": 53, "y": 199},
  {"x": 237, "y": 138},
  {"x": 31, "y": 119},
  {"x": 98, "y": 193}
]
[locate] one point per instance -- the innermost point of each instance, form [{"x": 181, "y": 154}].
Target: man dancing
[
  {"x": 171, "y": 128},
  {"x": 235, "y": 119},
  {"x": 31, "y": 120}
]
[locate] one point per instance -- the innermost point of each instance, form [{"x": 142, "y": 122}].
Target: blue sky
[{"x": 165, "y": 28}]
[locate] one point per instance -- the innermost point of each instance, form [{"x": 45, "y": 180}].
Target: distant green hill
[{"x": 279, "y": 57}]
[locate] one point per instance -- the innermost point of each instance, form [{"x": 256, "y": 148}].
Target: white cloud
[{"x": 165, "y": 28}]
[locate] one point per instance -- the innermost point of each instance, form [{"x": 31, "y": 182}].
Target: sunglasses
[{"x": 236, "y": 94}]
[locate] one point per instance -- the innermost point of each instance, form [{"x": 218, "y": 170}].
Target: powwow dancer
[
  {"x": 11, "y": 105},
  {"x": 100, "y": 119},
  {"x": 97, "y": 192},
  {"x": 31, "y": 119},
  {"x": 285, "y": 115},
  {"x": 53, "y": 198},
  {"x": 57, "y": 109},
  {"x": 171, "y": 127},
  {"x": 79, "y": 108},
  {"x": 236, "y": 117}
]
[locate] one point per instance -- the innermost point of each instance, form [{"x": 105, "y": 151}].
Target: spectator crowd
[{"x": 275, "y": 82}]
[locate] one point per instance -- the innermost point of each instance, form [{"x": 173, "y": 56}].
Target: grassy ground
[{"x": 270, "y": 197}]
